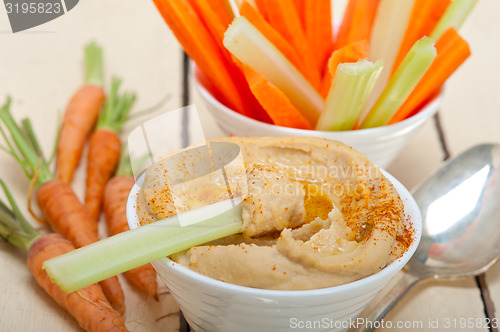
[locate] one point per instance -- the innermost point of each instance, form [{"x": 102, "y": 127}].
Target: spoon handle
[{"x": 384, "y": 301}]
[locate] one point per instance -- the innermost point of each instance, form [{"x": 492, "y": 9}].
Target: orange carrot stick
[
  {"x": 423, "y": 18},
  {"x": 263, "y": 6},
  {"x": 67, "y": 216},
  {"x": 88, "y": 306},
  {"x": 56, "y": 199},
  {"x": 300, "y": 6},
  {"x": 357, "y": 22},
  {"x": 80, "y": 115},
  {"x": 452, "y": 51},
  {"x": 275, "y": 102},
  {"x": 115, "y": 202},
  {"x": 318, "y": 29},
  {"x": 104, "y": 148},
  {"x": 201, "y": 47},
  {"x": 349, "y": 53},
  {"x": 256, "y": 18},
  {"x": 285, "y": 19}
]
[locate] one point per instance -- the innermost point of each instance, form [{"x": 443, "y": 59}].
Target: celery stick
[
  {"x": 409, "y": 73},
  {"x": 388, "y": 31},
  {"x": 454, "y": 16},
  {"x": 128, "y": 250},
  {"x": 247, "y": 44},
  {"x": 350, "y": 89}
]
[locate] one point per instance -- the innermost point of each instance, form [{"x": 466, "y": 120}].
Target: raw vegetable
[
  {"x": 278, "y": 106},
  {"x": 201, "y": 47},
  {"x": 81, "y": 115},
  {"x": 388, "y": 31},
  {"x": 247, "y": 44},
  {"x": 402, "y": 83},
  {"x": 56, "y": 199},
  {"x": 257, "y": 20},
  {"x": 424, "y": 17},
  {"x": 454, "y": 16},
  {"x": 144, "y": 244},
  {"x": 115, "y": 203},
  {"x": 318, "y": 30},
  {"x": 350, "y": 89},
  {"x": 452, "y": 51},
  {"x": 349, "y": 53},
  {"x": 104, "y": 148},
  {"x": 88, "y": 306},
  {"x": 284, "y": 17},
  {"x": 357, "y": 22}
]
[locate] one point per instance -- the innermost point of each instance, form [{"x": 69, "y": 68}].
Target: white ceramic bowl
[
  {"x": 212, "y": 305},
  {"x": 381, "y": 145}
]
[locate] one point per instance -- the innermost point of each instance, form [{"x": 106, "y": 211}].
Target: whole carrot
[
  {"x": 115, "y": 202},
  {"x": 104, "y": 148},
  {"x": 88, "y": 306},
  {"x": 56, "y": 199},
  {"x": 80, "y": 115}
]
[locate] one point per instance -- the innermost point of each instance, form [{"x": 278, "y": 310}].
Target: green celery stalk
[
  {"x": 454, "y": 16},
  {"x": 351, "y": 86},
  {"x": 252, "y": 48},
  {"x": 128, "y": 250},
  {"x": 409, "y": 73}
]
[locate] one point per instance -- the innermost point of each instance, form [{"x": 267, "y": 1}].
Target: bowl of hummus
[{"x": 324, "y": 229}]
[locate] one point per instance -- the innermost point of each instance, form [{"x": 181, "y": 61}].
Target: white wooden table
[{"x": 42, "y": 67}]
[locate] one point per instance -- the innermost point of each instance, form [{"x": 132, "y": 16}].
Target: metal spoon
[{"x": 461, "y": 217}]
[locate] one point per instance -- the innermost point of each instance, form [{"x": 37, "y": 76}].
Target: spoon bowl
[{"x": 461, "y": 217}]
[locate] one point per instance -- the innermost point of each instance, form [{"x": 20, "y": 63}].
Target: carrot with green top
[
  {"x": 104, "y": 148},
  {"x": 56, "y": 199},
  {"x": 88, "y": 306},
  {"x": 216, "y": 27},
  {"x": 81, "y": 115},
  {"x": 275, "y": 102},
  {"x": 423, "y": 18},
  {"x": 257, "y": 20},
  {"x": 115, "y": 204},
  {"x": 357, "y": 22},
  {"x": 347, "y": 54},
  {"x": 452, "y": 51}
]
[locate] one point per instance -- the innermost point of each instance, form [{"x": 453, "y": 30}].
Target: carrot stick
[
  {"x": 56, "y": 199},
  {"x": 318, "y": 29},
  {"x": 423, "y": 18},
  {"x": 257, "y": 20},
  {"x": 88, "y": 306},
  {"x": 452, "y": 51},
  {"x": 349, "y": 53},
  {"x": 201, "y": 47},
  {"x": 357, "y": 22},
  {"x": 104, "y": 148},
  {"x": 224, "y": 13},
  {"x": 263, "y": 7},
  {"x": 275, "y": 102},
  {"x": 115, "y": 203},
  {"x": 80, "y": 115},
  {"x": 211, "y": 22},
  {"x": 285, "y": 19}
]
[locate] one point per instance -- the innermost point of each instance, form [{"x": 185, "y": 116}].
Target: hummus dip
[{"x": 317, "y": 214}]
